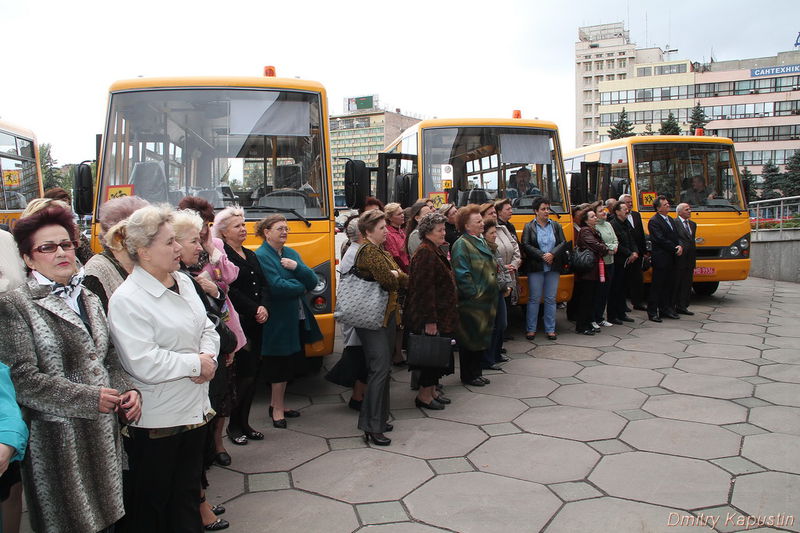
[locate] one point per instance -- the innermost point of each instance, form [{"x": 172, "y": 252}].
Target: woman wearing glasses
[
  {"x": 291, "y": 324},
  {"x": 69, "y": 382}
]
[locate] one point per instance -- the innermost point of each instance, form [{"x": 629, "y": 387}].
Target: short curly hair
[
  {"x": 429, "y": 223},
  {"x": 201, "y": 205},
  {"x": 462, "y": 217},
  {"x": 224, "y": 218},
  {"x": 368, "y": 220},
  {"x": 139, "y": 230},
  {"x": 51, "y": 215},
  {"x": 185, "y": 220},
  {"x": 266, "y": 223},
  {"x": 118, "y": 209}
]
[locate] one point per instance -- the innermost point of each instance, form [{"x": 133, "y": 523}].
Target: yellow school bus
[
  {"x": 471, "y": 161},
  {"x": 257, "y": 142},
  {"x": 697, "y": 170},
  {"x": 20, "y": 170}
]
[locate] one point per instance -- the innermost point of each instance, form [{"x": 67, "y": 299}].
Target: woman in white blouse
[{"x": 168, "y": 346}]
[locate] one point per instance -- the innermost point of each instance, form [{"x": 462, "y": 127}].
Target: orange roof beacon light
[
  {"x": 516, "y": 114},
  {"x": 269, "y": 71},
  {"x": 699, "y": 132}
]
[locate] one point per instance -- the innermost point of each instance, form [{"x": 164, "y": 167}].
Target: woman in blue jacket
[{"x": 291, "y": 323}]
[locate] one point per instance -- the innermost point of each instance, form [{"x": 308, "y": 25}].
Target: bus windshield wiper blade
[
  {"x": 723, "y": 205},
  {"x": 282, "y": 210}
]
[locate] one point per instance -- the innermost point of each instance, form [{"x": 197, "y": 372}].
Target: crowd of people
[{"x": 128, "y": 364}]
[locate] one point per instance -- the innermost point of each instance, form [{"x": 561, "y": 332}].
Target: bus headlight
[
  {"x": 744, "y": 243},
  {"x": 734, "y": 251},
  {"x": 322, "y": 284}
]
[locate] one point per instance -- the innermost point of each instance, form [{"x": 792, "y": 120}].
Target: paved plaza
[{"x": 688, "y": 425}]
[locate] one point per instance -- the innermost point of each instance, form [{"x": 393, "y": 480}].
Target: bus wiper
[
  {"x": 726, "y": 205},
  {"x": 283, "y": 210}
]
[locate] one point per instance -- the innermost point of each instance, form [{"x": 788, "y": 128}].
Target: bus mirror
[
  {"x": 406, "y": 189},
  {"x": 356, "y": 183},
  {"x": 578, "y": 188},
  {"x": 83, "y": 191}
]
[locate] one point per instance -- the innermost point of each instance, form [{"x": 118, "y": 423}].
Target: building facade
[{"x": 362, "y": 135}]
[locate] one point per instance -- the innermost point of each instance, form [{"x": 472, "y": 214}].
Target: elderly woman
[
  {"x": 107, "y": 270},
  {"x": 475, "y": 270},
  {"x": 374, "y": 264},
  {"x": 248, "y": 294},
  {"x": 544, "y": 244},
  {"x": 609, "y": 237},
  {"x": 168, "y": 346},
  {"x": 493, "y": 354},
  {"x": 84, "y": 251},
  {"x": 586, "y": 283},
  {"x": 451, "y": 233},
  {"x": 415, "y": 214},
  {"x": 395, "y": 238},
  {"x": 291, "y": 324},
  {"x": 431, "y": 305},
  {"x": 69, "y": 383}
]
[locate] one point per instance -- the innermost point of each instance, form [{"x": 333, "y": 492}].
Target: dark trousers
[
  {"x": 683, "y": 287},
  {"x": 470, "y": 363},
  {"x": 492, "y": 353},
  {"x": 661, "y": 291},
  {"x": 601, "y": 294},
  {"x": 615, "y": 308},
  {"x": 378, "y": 346},
  {"x": 584, "y": 304},
  {"x": 165, "y": 478},
  {"x": 635, "y": 282}
]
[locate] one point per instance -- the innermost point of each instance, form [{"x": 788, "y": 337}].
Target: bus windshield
[
  {"x": 700, "y": 174},
  {"x": 18, "y": 168},
  {"x": 261, "y": 149},
  {"x": 480, "y": 164}
]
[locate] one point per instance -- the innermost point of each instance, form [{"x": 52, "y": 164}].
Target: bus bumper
[{"x": 723, "y": 270}]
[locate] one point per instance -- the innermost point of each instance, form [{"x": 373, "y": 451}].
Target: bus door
[
  {"x": 398, "y": 179},
  {"x": 593, "y": 183}
]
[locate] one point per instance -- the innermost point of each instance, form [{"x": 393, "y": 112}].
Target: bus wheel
[{"x": 705, "y": 288}]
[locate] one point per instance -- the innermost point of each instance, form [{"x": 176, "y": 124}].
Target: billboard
[{"x": 361, "y": 103}]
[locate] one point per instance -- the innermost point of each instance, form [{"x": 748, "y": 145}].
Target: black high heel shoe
[
  {"x": 288, "y": 413},
  {"x": 280, "y": 424},
  {"x": 379, "y": 439}
]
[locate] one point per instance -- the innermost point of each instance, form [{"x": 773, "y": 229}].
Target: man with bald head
[{"x": 687, "y": 233}]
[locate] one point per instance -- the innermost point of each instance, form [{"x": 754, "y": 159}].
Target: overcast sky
[{"x": 430, "y": 58}]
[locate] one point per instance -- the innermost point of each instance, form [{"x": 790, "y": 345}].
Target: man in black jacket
[
  {"x": 625, "y": 258},
  {"x": 687, "y": 232},
  {"x": 666, "y": 249},
  {"x": 633, "y": 274}
]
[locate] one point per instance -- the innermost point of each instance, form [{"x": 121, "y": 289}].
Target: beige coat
[
  {"x": 72, "y": 472},
  {"x": 12, "y": 269}
]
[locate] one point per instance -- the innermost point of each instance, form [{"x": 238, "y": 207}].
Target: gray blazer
[{"x": 73, "y": 468}]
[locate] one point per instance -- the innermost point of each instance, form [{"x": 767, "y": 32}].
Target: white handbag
[{"x": 359, "y": 302}]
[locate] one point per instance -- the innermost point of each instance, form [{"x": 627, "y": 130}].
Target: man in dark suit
[
  {"x": 666, "y": 249},
  {"x": 633, "y": 272},
  {"x": 687, "y": 232}
]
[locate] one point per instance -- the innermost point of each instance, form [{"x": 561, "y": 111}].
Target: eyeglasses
[
  {"x": 282, "y": 229},
  {"x": 51, "y": 247}
]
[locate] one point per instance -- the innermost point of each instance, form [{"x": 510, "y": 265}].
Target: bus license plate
[{"x": 705, "y": 271}]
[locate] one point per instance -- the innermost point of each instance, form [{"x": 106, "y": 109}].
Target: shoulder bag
[
  {"x": 582, "y": 260},
  {"x": 359, "y": 302}
]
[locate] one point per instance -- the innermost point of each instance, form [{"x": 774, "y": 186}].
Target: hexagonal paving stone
[
  {"x": 777, "y": 418},
  {"x": 518, "y": 347},
  {"x": 587, "y": 341},
  {"x": 598, "y": 397},
  {"x": 543, "y": 368},
  {"x": 516, "y": 386},
  {"x": 663, "y": 480},
  {"x": 736, "y": 339},
  {"x": 281, "y": 450},
  {"x": 769, "y": 494},
  {"x": 646, "y": 345},
  {"x": 620, "y": 376},
  {"x": 572, "y": 422},
  {"x": 364, "y": 475},
  {"x": 224, "y": 484},
  {"x": 678, "y": 437},
  {"x": 716, "y": 367},
  {"x": 480, "y": 409},
  {"x": 781, "y": 372},
  {"x": 704, "y": 385},
  {"x": 727, "y": 327},
  {"x": 784, "y": 331},
  {"x": 671, "y": 334},
  {"x": 289, "y": 511},
  {"x": 723, "y": 351},
  {"x": 566, "y": 353},
  {"x": 696, "y": 409},
  {"x": 785, "y": 342},
  {"x": 535, "y": 458},
  {"x": 327, "y": 420},
  {"x": 774, "y": 451},
  {"x": 465, "y": 510},
  {"x": 779, "y": 393},
  {"x": 603, "y": 515},
  {"x": 637, "y": 359},
  {"x": 782, "y": 355},
  {"x": 430, "y": 438}
]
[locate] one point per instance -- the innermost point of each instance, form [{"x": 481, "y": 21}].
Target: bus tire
[{"x": 705, "y": 288}]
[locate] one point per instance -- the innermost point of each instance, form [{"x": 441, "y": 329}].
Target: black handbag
[
  {"x": 227, "y": 338},
  {"x": 582, "y": 261},
  {"x": 429, "y": 350}
]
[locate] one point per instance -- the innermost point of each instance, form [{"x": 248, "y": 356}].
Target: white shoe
[
  {"x": 595, "y": 326},
  {"x": 606, "y": 324}
]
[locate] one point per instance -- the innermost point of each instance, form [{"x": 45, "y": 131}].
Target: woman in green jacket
[
  {"x": 291, "y": 324},
  {"x": 475, "y": 270}
]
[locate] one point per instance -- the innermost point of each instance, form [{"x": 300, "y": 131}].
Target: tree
[
  {"x": 648, "y": 130},
  {"x": 698, "y": 118},
  {"x": 670, "y": 126},
  {"x": 791, "y": 178},
  {"x": 749, "y": 185},
  {"x": 622, "y": 128},
  {"x": 51, "y": 177},
  {"x": 773, "y": 179}
]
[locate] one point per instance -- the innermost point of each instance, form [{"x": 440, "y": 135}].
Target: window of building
[
  {"x": 622, "y": 76},
  {"x": 598, "y": 65},
  {"x": 610, "y": 77},
  {"x": 587, "y": 66},
  {"x": 644, "y": 71},
  {"x": 622, "y": 63},
  {"x": 609, "y": 63}
]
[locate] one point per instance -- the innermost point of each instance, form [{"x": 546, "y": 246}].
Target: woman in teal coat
[
  {"x": 475, "y": 270},
  {"x": 291, "y": 324}
]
